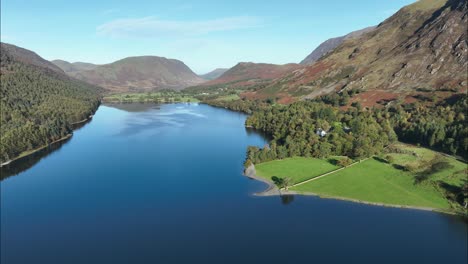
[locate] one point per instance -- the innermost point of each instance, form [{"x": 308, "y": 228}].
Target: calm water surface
[{"x": 164, "y": 184}]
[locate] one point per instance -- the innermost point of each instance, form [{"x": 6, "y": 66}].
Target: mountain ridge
[
  {"x": 71, "y": 67},
  {"x": 214, "y": 74},
  {"x": 141, "y": 74},
  {"x": 330, "y": 44},
  {"x": 409, "y": 51}
]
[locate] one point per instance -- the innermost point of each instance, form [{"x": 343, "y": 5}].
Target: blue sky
[{"x": 205, "y": 34}]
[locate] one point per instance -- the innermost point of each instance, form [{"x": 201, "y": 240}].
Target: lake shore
[
  {"x": 31, "y": 152},
  {"x": 273, "y": 190}
]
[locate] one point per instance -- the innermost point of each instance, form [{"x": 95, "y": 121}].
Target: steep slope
[
  {"x": 330, "y": 44},
  {"x": 74, "y": 67},
  {"x": 39, "y": 102},
  {"x": 214, "y": 74},
  {"x": 248, "y": 71},
  {"x": 422, "y": 48},
  {"x": 140, "y": 74},
  {"x": 27, "y": 57}
]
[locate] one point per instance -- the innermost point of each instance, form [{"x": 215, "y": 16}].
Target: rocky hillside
[
  {"x": 213, "y": 74},
  {"x": 330, "y": 44},
  {"x": 420, "y": 49},
  {"x": 140, "y": 74},
  {"x": 71, "y": 68}
]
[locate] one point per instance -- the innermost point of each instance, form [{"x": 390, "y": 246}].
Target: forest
[
  {"x": 331, "y": 126},
  {"x": 313, "y": 129},
  {"x": 38, "y": 106}
]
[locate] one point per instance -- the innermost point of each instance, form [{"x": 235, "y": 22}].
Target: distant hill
[
  {"x": 213, "y": 74},
  {"x": 39, "y": 102},
  {"x": 140, "y": 74},
  {"x": 250, "y": 73},
  {"x": 419, "y": 50},
  {"x": 74, "y": 67},
  {"x": 330, "y": 44},
  {"x": 27, "y": 57}
]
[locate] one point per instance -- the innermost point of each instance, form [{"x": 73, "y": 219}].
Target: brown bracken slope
[{"x": 421, "y": 47}]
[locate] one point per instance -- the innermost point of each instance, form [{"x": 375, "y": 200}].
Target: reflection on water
[
  {"x": 134, "y": 107},
  {"x": 287, "y": 199},
  {"x": 25, "y": 163},
  {"x": 118, "y": 194}
]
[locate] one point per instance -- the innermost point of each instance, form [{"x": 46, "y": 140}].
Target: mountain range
[
  {"x": 134, "y": 74},
  {"x": 420, "y": 49}
]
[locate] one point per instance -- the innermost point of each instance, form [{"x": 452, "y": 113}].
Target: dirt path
[{"x": 326, "y": 174}]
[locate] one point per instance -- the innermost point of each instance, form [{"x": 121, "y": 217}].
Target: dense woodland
[
  {"x": 314, "y": 129},
  {"x": 354, "y": 132},
  {"x": 38, "y": 106},
  {"x": 429, "y": 122},
  {"x": 441, "y": 127}
]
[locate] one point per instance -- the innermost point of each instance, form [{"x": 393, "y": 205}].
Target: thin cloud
[{"x": 150, "y": 27}]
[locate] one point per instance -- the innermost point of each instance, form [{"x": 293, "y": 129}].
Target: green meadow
[{"x": 407, "y": 176}]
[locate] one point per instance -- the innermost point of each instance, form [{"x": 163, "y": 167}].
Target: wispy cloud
[{"x": 150, "y": 27}]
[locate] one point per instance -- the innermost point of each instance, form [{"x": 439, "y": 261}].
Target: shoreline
[
  {"x": 273, "y": 190},
  {"x": 83, "y": 121},
  {"x": 31, "y": 152}
]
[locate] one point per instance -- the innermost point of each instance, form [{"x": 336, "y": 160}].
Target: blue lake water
[{"x": 144, "y": 183}]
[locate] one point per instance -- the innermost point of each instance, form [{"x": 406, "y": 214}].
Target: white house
[{"x": 321, "y": 132}]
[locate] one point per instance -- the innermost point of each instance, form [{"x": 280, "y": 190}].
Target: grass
[
  {"x": 229, "y": 97},
  {"x": 377, "y": 182},
  {"x": 298, "y": 168},
  {"x": 453, "y": 175}
]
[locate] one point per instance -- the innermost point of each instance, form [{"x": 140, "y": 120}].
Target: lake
[{"x": 146, "y": 183}]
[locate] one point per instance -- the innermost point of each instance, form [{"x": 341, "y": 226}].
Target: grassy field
[
  {"x": 298, "y": 169},
  {"x": 229, "y": 97},
  {"x": 378, "y": 182},
  {"x": 390, "y": 180},
  {"x": 415, "y": 156}
]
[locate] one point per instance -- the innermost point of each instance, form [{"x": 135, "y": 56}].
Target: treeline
[
  {"x": 241, "y": 105},
  {"x": 314, "y": 129},
  {"x": 441, "y": 127},
  {"x": 38, "y": 106}
]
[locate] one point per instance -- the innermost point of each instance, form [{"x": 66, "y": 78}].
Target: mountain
[
  {"x": 39, "y": 102},
  {"x": 27, "y": 57},
  {"x": 330, "y": 44},
  {"x": 213, "y": 74},
  {"x": 419, "y": 52},
  {"x": 249, "y": 73},
  {"x": 139, "y": 74},
  {"x": 74, "y": 67}
]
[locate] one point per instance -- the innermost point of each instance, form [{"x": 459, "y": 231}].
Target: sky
[{"x": 205, "y": 34}]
